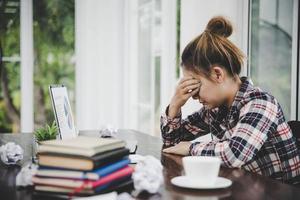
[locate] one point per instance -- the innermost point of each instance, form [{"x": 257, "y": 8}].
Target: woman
[{"x": 248, "y": 123}]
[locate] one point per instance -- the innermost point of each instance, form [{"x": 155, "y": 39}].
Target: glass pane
[
  {"x": 144, "y": 64},
  {"x": 54, "y": 53},
  {"x": 149, "y": 52},
  {"x": 271, "y": 48},
  {"x": 157, "y": 66},
  {"x": 10, "y": 92},
  {"x": 157, "y": 95},
  {"x": 144, "y": 55}
]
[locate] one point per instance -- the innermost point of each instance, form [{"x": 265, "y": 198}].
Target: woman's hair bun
[{"x": 220, "y": 26}]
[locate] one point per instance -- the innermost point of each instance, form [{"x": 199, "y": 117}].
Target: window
[
  {"x": 148, "y": 75},
  {"x": 10, "y": 92},
  {"x": 271, "y": 48}
]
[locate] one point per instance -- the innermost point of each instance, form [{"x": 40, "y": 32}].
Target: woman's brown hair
[{"x": 213, "y": 47}]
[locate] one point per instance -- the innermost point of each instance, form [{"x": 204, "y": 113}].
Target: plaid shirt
[{"x": 252, "y": 134}]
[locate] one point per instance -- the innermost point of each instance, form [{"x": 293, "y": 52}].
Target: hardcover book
[
  {"x": 122, "y": 185},
  {"x": 81, "y": 145},
  {"x": 83, "y": 184},
  {"x": 82, "y": 175},
  {"x": 77, "y": 162}
]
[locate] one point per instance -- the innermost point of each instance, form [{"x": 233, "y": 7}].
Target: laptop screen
[{"x": 62, "y": 111}]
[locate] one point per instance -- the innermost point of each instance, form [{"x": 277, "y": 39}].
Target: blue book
[
  {"x": 76, "y": 162},
  {"x": 82, "y": 175}
]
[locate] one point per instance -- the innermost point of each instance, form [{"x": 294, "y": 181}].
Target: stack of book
[{"x": 82, "y": 166}]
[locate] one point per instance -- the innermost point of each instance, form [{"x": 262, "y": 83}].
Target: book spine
[
  {"x": 108, "y": 169},
  {"x": 126, "y": 171},
  {"x": 116, "y": 175},
  {"x": 110, "y": 157}
]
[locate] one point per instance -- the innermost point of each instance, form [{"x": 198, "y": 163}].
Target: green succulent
[{"x": 46, "y": 133}]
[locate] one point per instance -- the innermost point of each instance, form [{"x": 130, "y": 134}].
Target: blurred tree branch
[
  {"x": 7, "y": 20},
  {"x": 12, "y": 112}
]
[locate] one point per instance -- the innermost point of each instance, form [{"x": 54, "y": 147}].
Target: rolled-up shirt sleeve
[
  {"x": 176, "y": 129},
  {"x": 257, "y": 120}
]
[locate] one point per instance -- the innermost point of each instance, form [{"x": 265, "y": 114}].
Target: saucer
[{"x": 184, "y": 181}]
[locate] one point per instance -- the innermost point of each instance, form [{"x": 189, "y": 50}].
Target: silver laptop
[{"x": 62, "y": 111}]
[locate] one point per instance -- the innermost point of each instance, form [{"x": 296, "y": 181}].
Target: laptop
[
  {"x": 64, "y": 117},
  {"x": 62, "y": 111}
]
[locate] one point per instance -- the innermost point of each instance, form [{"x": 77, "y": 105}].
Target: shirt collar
[
  {"x": 245, "y": 86},
  {"x": 233, "y": 112}
]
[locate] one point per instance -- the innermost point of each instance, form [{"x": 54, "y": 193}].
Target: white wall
[
  {"x": 195, "y": 14},
  {"x": 99, "y": 59}
]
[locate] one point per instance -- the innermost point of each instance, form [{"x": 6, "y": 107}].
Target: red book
[
  {"x": 112, "y": 177},
  {"x": 121, "y": 185},
  {"x": 73, "y": 183}
]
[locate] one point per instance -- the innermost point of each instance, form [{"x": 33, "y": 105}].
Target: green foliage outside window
[
  {"x": 53, "y": 29},
  {"x": 9, "y": 66},
  {"x": 54, "y": 52}
]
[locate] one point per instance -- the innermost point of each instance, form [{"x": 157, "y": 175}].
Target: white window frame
[
  {"x": 130, "y": 62},
  {"x": 27, "y": 57},
  {"x": 295, "y": 97},
  {"x": 245, "y": 30}
]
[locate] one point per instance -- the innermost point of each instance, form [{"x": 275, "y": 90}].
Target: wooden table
[{"x": 245, "y": 185}]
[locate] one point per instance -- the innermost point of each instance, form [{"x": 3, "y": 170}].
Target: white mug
[{"x": 202, "y": 170}]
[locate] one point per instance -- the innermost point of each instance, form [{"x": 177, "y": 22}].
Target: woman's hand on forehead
[
  {"x": 189, "y": 77},
  {"x": 186, "y": 82},
  {"x": 186, "y": 88},
  {"x": 185, "y": 78}
]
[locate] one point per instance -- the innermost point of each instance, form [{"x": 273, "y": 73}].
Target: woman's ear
[{"x": 218, "y": 74}]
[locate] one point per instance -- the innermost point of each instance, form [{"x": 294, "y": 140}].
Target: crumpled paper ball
[
  {"x": 108, "y": 131},
  {"x": 148, "y": 175},
  {"x": 24, "y": 177},
  {"x": 11, "y": 153}
]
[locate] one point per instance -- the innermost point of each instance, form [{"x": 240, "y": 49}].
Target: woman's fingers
[
  {"x": 191, "y": 88},
  {"x": 181, "y": 148},
  {"x": 170, "y": 150},
  {"x": 186, "y": 88},
  {"x": 188, "y": 95},
  {"x": 185, "y": 78},
  {"x": 188, "y": 83},
  {"x": 167, "y": 150},
  {"x": 195, "y": 91}
]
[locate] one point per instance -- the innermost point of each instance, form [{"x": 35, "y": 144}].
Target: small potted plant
[{"x": 46, "y": 133}]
